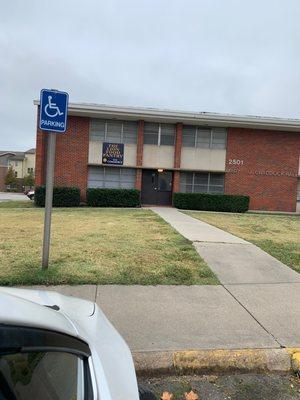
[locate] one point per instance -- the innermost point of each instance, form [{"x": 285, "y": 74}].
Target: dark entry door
[{"x": 157, "y": 187}]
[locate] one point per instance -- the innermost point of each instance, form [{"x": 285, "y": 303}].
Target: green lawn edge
[
  {"x": 173, "y": 270},
  {"x": 286, "y": 252}
]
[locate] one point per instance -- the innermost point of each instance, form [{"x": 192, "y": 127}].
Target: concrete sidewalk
[
  {"x": 168, "y": 318},
  {"x": 233, "y": 260},
  {"x": 244, "y": 323},
  {"x": 266, "y": 289},
  {"x": 193, "y": 229}
]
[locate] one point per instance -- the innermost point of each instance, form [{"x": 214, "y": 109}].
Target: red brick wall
[
  {"x": 3, "y": 172},
  {"x": 178, "y": 146},
  {"x": 267, "y": 156},
  {"x": 177, "y": 158},
  {"x": 40, "y": 155},
  {"x": 71, "y": 156}
]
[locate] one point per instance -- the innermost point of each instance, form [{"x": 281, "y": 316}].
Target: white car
[
  {"x": 63, "y": 348},
  {"x": 30, "y": 194}
]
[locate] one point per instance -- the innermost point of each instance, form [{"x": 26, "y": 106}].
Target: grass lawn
[
  {"x": 104, "y": 246},
  {"x": 278, "y": 235},
  {"x": 16, "y": 204}
]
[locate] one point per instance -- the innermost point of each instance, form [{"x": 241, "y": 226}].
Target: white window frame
[
  {"x": 119, "y": 181},
  {"x": 208, "y": 181},
  {"x": 105, "y": 130},
  {"x": 210, "y": 140},
  {"x": 159, "y": 137}
]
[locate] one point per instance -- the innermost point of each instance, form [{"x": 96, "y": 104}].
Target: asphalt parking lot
[{"x": 225, "y": 387}]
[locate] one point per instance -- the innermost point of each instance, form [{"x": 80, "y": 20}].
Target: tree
[
  {"x": 10, "y": 179},
  {"x": 29, "y": 179}
]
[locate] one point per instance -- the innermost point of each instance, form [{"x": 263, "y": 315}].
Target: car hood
[
  {"x": 43, "y": 309},
  {"x": 111, "y": 361}
]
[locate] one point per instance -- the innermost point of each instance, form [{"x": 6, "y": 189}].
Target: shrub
[
  {"x": 211, "y": 202},
  {"x": 113, "y": 197},
  {"x": 29, "y": 180},
  {"x": 63, "y": 196}
]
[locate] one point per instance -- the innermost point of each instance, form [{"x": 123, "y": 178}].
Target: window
[
  {"x": 202, "y": 182},
  {"x": 207, "y": 138},
  {"x": 188, "y": 136},
  {"x": 29, "y": 170},
  {"x": 159, "y": 134},
  {"x": 167, "y": 134},
  {"x": 164, "y": 181},
  {"x": 97, "y": 130},
  {"x": 151, "y": 133},
  {"x": 203, "y": 138},
  {"x": 130, "y": 129},
  {"x": 43, "y": 364},
  {"x": 219, "y": 138},
  {"x": 41, "y": 375},
  {"x": 111, "y": 177},
  {"x": 16, "y": 174},
  {"x": 114, "y": 131}
]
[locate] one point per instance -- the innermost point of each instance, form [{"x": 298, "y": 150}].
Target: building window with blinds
[
  {"x": 202, "y": 182},
  {"x": 151, "y": 133},
  {"x": 114, "y": 131},
  {"x": 206, "y": 138},
  {"x": 111, "y": 177},
  {"x": 159, "y": 134}
]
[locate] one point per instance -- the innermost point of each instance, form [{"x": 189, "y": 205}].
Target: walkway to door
[
  {"x": 266, "y": 289},
  {"x": 233, "y": 260}
]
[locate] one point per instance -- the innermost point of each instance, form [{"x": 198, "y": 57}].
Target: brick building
[{"x": 169, "y": 151}]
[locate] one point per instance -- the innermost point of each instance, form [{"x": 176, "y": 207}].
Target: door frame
[{"x": 163, "y": 197}]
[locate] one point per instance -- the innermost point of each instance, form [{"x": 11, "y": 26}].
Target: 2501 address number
[{"x": 235, "y": 161}]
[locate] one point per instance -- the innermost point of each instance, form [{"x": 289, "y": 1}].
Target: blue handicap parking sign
[{"x": 53, "y": 110}]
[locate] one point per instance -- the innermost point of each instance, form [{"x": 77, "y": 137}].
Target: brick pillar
[
  {"x": 138, "y": 179},
  {"x": 40, "y": 154},
  {"x": 139, "y": 155},
  {"x": 71, "y": 156},
  {"x": 177, "y": 158}
]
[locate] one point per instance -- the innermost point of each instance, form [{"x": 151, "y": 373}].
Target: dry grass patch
[
  {"x": 104, "y": 246},
  {"x": 278, "y": 235}
]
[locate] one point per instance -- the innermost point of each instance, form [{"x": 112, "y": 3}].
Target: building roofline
[
  {"x": 186, "y": 117},
  {"x": 6, "y": 153},
  {"x": 30, "y": 151}
]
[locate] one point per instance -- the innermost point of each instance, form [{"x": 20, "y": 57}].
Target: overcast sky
[{"x": 227, "y": 56}]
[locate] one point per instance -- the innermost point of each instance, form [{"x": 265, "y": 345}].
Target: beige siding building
[{"x": 22, "y": 162}]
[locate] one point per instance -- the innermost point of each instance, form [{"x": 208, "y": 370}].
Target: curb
[{"x": 152, "y": 363}]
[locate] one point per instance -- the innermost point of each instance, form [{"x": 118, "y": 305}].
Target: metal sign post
[
  {"x": 49, "y": 195},
  {"x": 53, "y": 118}
]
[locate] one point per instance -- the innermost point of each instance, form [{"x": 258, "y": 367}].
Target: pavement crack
[{"x": 255, "y": 319}]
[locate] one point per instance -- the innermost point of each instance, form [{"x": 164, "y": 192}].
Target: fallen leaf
[
  {"x": 191, "y": 396},
  {"x": 167, "y": 396}
]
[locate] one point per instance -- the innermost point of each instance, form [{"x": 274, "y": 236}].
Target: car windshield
[{"x": 41, "y": 375}]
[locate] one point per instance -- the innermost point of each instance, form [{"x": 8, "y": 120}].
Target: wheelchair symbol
[{"x": 51, "y": 109}]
